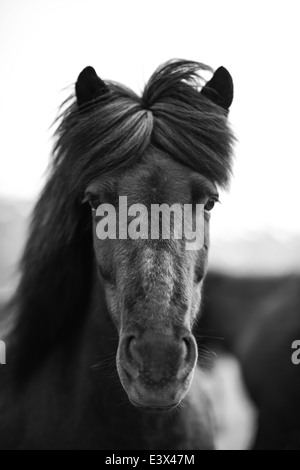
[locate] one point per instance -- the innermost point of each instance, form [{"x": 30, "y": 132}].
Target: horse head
[{"x": 152, "y": 284}]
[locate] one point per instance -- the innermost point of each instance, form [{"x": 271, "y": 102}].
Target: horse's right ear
[{"x": 89, "y": 86}]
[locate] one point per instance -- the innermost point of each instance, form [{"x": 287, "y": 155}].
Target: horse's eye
[
  {"x": 94, "y": 202},
  {"x": 210, "y": 205}
]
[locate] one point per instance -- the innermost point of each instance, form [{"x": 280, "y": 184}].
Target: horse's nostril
[
  {"x": 185, "y": 349},
  {"x": 189, "y": 349},
  {"x": 129, "y": 347},
  {"x": 127, "y": 357},
  {"x": 131, "y": 350}
]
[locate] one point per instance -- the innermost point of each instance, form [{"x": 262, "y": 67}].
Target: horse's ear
[
  {"x": 220, "y": 88},
  {"x": 89, "y": 86}
]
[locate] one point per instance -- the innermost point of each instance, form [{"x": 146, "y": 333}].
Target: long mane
[{"x": 56, "y": 270}]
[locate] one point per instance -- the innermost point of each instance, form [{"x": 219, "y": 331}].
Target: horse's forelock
[{"x": 171, "y": 115}]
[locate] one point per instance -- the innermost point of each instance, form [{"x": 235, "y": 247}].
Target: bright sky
[{"x": 45, "y": 44}]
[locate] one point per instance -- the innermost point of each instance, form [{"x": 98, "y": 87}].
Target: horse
[
  {"x": 101, "y": 352},
  {"x": 258, "y": 320}
]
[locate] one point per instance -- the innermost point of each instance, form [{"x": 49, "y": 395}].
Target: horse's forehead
[{"x": 161, "y": 177}]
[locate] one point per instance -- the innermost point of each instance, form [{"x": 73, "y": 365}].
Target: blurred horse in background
[
  {"x": 257, "y": 319},
  {"x": 101, "y": 346}
]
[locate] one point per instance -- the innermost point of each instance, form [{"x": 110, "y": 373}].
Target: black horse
[
  {"x": 257, "y": 319},
  {"x": 101, "y": 353}
]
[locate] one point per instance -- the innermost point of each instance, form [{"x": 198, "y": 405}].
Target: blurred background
[{"x": 255, "y": 231}]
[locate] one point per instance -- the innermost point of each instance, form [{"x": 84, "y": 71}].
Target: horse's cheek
[
  {"x": 195, "y": 305},
  {"x": 112, "y": 305}
]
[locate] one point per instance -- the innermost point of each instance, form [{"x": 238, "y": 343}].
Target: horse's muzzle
[{"x": 156, "y": 369}]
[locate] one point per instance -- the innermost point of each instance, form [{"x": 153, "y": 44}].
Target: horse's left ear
[
  {"x": 220, "y": 88},
  {"x": 89, "y": 86}
]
